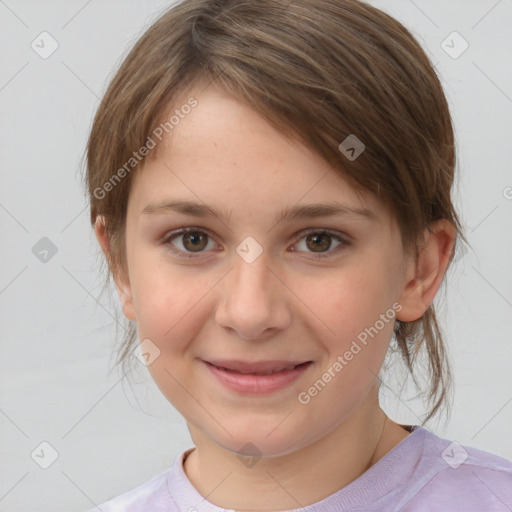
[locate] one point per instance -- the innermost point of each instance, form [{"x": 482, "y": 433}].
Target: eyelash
[{"x": 320, "y": 255}]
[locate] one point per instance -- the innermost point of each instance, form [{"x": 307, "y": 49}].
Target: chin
[{"x": 248, "y": 441}]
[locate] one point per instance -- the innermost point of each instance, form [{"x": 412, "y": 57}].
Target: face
[{"x": 229, "y": 262}]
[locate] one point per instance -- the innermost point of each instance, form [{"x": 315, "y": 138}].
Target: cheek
[
  {"x": 171, "y": 311},
  {"x": 168, "y": 302},
  {"x": 349, "y": 299},
  {"x": 356, "y": 307},
  {"x": 359, "y": 313}
]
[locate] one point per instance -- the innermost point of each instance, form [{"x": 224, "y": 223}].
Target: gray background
[{"x": 57, "y": 337}]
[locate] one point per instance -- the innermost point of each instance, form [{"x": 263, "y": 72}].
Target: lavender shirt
[{"x": 422, "y": 473}]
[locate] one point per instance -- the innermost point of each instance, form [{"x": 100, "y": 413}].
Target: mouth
[
  {"x": 257, "y": 378},
  {"x": 257, "y": 368}
]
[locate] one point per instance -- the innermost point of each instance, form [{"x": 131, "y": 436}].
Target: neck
[{"x": 297, "y": 479}]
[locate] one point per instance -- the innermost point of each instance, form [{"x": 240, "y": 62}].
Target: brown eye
[
  {"x": 195, "y": 241},
  {"x": 318, "y": 242},
  {"x": 189, "y": 242}
]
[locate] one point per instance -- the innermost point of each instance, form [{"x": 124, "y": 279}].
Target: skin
[{"x": 284, "y": 305}]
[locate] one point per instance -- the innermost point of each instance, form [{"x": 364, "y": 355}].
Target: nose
[{"x": 253, "y": 302}]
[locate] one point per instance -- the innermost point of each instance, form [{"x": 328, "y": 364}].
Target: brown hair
[{"x": 319, "y": 71}]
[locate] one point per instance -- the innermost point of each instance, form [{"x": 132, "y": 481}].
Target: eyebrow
[{"x": 308, "y": 211}]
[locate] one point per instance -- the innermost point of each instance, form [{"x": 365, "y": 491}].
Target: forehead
[{"x": 222, "y": 153}]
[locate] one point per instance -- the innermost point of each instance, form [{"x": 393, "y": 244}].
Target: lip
[
  {"x": 254, "y": 383},
  {"x": 255, "y": 366}
]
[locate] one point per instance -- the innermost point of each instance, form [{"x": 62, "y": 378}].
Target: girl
[{"x": 270, "y": 183}]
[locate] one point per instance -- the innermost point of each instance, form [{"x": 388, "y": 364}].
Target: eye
[
  {"x": 319, "y": 242},
  {"x": 189, "y": 241}
]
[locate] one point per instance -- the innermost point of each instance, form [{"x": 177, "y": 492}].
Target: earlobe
[
  {"x": 424, "y": 274},
  {"x": 126, "y": 298},
  {"x": 122, "y": 284}
]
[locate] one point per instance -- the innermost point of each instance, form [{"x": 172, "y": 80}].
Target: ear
[
  {"x": 424, "y": 273},
  {"x": 123, "y": 285}
]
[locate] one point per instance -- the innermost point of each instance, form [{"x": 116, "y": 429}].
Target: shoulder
[
  {"x": 454, "y": 477},
  {"x": 151, "y": 495}
]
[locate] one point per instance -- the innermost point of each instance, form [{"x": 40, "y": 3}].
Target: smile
[{"x": 257, "y": 378}]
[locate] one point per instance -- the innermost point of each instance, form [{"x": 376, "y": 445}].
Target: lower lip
[{"x": 257, "y": 384}]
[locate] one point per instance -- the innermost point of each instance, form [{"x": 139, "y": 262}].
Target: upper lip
[{"x": 255, "y": 366}]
